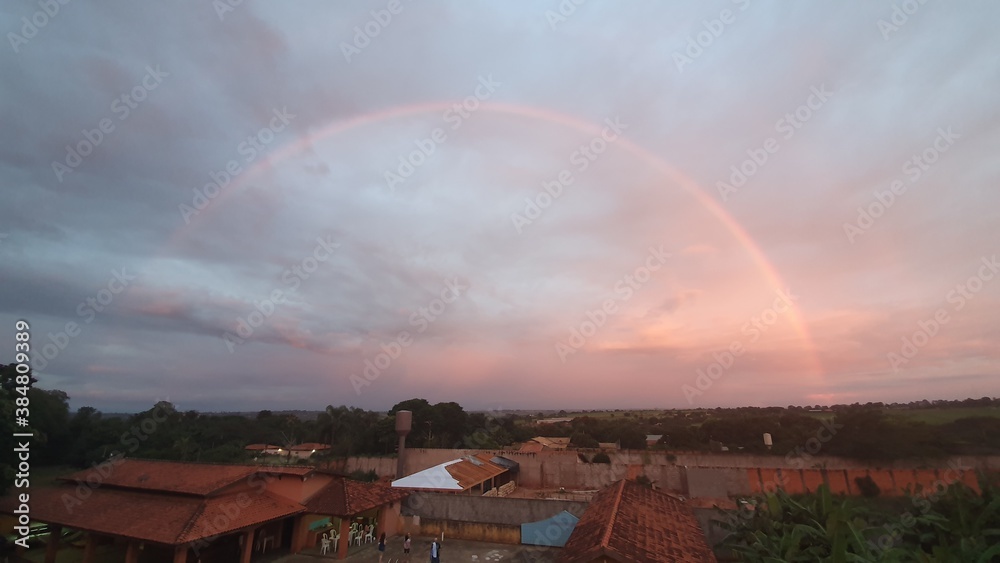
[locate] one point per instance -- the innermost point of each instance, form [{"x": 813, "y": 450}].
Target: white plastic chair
[
  {"x": 336, "y": 541},
  {"x": 325, "y": 542},
  {"x": 369, "y": 535}
]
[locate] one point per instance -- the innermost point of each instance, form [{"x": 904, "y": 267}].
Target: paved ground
[{"x": 452, "y": 551}]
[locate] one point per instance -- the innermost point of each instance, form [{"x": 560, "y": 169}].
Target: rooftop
[
  {"x": 630, "y": 522},
  {"x": 455, "y": 475}
]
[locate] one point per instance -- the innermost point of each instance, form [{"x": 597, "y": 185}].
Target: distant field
[
  {"x": 943, "y": 416},
  {"x": 613, "y": 414},
  {"x": 929, "y": 415}
]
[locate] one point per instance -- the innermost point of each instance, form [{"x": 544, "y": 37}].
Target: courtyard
[{"x": 451, "y": 551}]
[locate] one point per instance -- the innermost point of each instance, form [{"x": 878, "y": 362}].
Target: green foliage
[
  {"x": 951, "y": 525},
  {"x": 867, "y": 486},
  {"x": 583, "y": 440},
  {"x": 601, "y": 457}
]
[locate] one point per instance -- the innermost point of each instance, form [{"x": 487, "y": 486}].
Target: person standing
[
  {"x": 406, "y": 547},
  {"x": 435, "y": 552},
  {"x": 381, "y": 547}
]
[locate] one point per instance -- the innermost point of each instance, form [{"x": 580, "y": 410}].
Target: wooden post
[
  {"x": 90, "y": 549},
  {"x": 132, "y": 553},
  {"x": 181, "y": 554},
  {"x": 345, "y": 532},
  {"x": 52, "y": 549},
  {"x": 247, "y": 547},
  {"x": 300, "y": 533}
]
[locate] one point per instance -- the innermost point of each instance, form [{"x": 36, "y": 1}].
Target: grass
[{"x": 937, "y": 416}]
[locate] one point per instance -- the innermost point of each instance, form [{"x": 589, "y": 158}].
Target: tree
[{"x": 583, "y": 440}]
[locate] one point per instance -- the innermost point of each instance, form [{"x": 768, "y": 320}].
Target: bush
[
  {"x": 867, "y": 486},
  {"x": 601, "y": 457},
  {"x": 367, "y": 476}
]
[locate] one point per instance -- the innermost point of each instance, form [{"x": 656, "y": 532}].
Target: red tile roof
[
  {"x": 169, "y": 476},
  {"x": 473, "y": 470},
  {"x": 310, "y": 446},
  {"x": 260, "y": 447},
  {"x": 182, "y": 477},
  {"x": 347, "y": 497},
  {"x": 630, "y": 522},
  {"x": 152, "y": 516}
]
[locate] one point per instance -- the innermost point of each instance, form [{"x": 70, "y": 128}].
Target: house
[
  {"x": 629, "y": 522},
  {"x": 301, "y": 451},
  {"x": 541, "y": 444},
  {"x": 653, "y": 439},
  {"x": 609, "y": 446},
  {"x": 306, "y": 450},
  {"x": 478, "y": 474},
  {"x": 264, "y": 449},
  {"x": 186, "y": 512}
]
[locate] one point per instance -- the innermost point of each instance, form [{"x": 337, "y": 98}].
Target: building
[
  {"x": 543, "y": 444},
  {"x": 629, "y": 522},
  {"x": 653, "y": 439},
  {"x": 301, "y": 451},
  {"x": 478, "y": 474},
  {"x": 306, "y": 450},
  {"x": 187, "y": 512},
  {"x": 264, "y": 449}
]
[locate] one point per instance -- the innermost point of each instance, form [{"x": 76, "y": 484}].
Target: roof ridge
[
  {"x": 189, "y": 526},
  {"x": 606, "y": 538}
]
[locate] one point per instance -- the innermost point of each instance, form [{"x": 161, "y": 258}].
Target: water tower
[{"x": 404, "y": 422}]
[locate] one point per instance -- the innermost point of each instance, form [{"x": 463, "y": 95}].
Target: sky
[{"x": 516, "y": 205}]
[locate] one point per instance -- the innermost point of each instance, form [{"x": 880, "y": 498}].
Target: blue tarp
[
  {"x": 319, "y": 524},
  {"x": 552, "y": 532}
]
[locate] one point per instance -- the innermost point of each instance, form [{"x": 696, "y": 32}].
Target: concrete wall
[
  {"x": 492, "y": 510},
  {"x": 475, "y": 531},
  {"x": 704, "y": 482},
  {"x": 711, "y": 475}
]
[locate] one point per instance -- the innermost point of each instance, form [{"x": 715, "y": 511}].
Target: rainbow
[{"x": 571, "y": 122}]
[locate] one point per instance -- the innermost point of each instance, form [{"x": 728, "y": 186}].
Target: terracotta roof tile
[
  {"x": 347, "y": 497},
  {"x": 629, "y": 522},
  {"x": 170, "y": 476},
  {"x": 260, "y": 447},
  {"x": 238, "y": 510},
  {"x": 152, "y": 516},
  {"x": 471, "y": 472}
]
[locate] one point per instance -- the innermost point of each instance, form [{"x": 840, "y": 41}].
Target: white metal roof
[{"x": 436, "y": 477}]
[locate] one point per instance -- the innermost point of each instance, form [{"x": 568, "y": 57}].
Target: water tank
[
  {"x": 767, "y": 439},
  {"x": 404, "y": 422}
]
